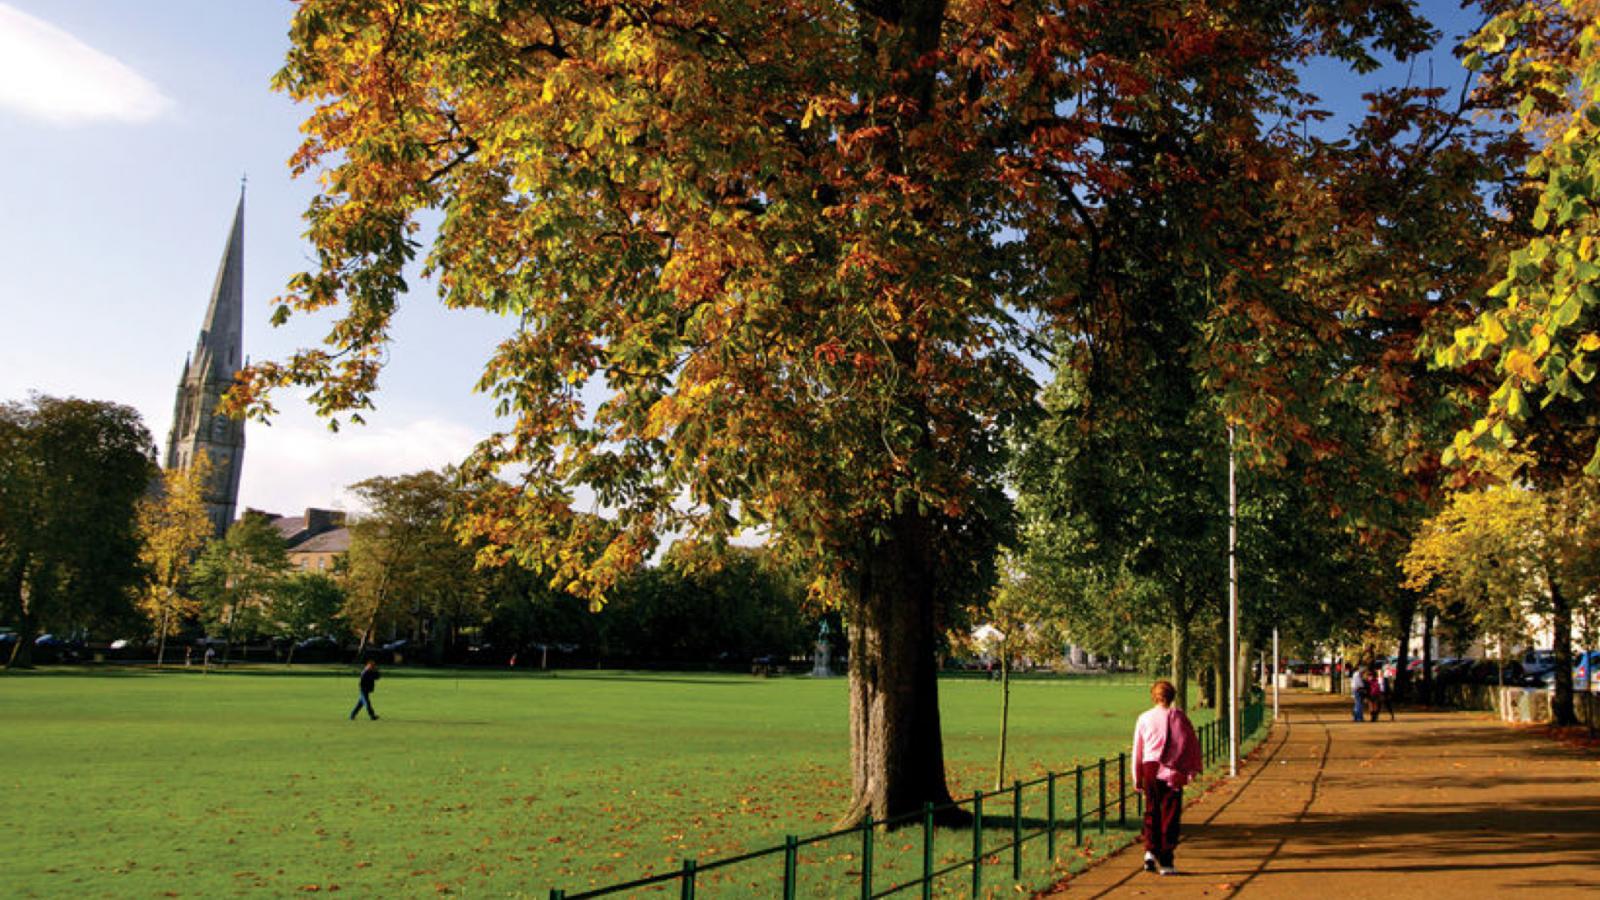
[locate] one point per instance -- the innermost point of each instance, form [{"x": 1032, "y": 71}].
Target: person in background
[
  {"x": 1166, "y": 755},
  {"x": 1375, "y": 694},
  {"x": 369, "y": 683},
  {"x": 1358, "y": 692}
]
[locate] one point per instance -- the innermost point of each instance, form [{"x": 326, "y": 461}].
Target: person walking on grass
[
  {"x": 1166, "y": 755},
  {"x": 369, "y": 683}
]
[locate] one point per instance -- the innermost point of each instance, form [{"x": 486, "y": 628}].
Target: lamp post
[{"x": 1233, "y": 614}]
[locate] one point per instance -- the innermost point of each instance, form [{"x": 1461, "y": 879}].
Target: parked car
[
  {"x": 1583, "y": 664},
  {"x": 1535, "y": 663},
  {"x": 321, "y": 648},
  {"x": 50, "y": 648}
]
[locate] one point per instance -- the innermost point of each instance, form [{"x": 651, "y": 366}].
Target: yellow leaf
[
  {"x": 1493, "y": 331},
  {"x": 1519, "y": 363}
]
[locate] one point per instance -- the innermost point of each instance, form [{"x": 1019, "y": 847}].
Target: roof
[
  {"x": 289, "y": 526},
  {"x": 335, "y": 541}
]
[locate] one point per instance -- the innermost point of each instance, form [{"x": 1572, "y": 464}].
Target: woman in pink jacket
[{"x": 1166, "y": 755}]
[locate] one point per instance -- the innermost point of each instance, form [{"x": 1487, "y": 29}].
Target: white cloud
[
  {"x": 298, "y": 463},
  {"x": 46, "y": 73}
]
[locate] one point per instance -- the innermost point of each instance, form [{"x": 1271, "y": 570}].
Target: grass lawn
[{"x": 142, "y": 784}]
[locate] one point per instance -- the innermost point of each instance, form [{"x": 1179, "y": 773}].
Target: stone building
[
  {"x": 198, "y": 426},
  {"x": 316, "y": 540}
]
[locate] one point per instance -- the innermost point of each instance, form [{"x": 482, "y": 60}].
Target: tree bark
[
  {"x": 1427, "y": 657},
  {"x": 896, "y": 745},
  {"x": 1405, "y": 616},
  {"x": 1242, "y": 686},
  {"x": 22, "y": 651},
  {"x": 161, "y": 639},
  {"x": 1180, "y": 662},
  {"x": 1561, "y": 705},
  {"x": 1225, "y": 686}
]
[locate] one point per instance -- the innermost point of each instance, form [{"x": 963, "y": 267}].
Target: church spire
[
  {"x": 219, "y": 352},
  {"x": 198, "y": 423}
]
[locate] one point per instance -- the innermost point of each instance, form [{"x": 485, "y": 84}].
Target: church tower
[{"x": 198, "y": 426}]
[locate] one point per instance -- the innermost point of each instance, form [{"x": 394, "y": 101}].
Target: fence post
[
  {"x": 977, "y": 844},
  {"x": 686, "y": 881},
  {"x": 1102, "y": 780},
  {"x": 791, "y": 848},
  {"x": 927, "y": 851},
  {"x": 1122, "y": 790},
  {"x": 866, "y": 860},
  {"x": 1077, "y": 808},
  {"x": 1050, "y": 813},
  {"x": 1016, "y": 830}
]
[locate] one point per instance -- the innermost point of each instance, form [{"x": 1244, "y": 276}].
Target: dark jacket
[{"x": 369, "y": 680}]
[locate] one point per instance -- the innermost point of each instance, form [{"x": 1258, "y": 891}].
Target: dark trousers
[
  {"x": 1163, "y": 814},
  {"x": 366, "y": 700}
]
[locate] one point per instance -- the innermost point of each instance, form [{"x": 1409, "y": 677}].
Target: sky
[{"x": 125, "y": 130}]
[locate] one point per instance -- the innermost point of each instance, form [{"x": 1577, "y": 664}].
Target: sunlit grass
[{"x": 142, "y": 784}]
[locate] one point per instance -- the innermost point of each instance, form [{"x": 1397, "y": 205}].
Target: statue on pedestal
[{"x": 820, "y": 660}]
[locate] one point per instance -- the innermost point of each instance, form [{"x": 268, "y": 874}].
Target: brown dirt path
[{"x": 1436, "y": 804}]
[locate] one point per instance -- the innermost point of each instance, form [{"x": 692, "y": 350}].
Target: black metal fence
[{"x": 1098, "y": 796}]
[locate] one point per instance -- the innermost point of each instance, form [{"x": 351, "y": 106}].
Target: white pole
[
  {"x": 1233, "y": 615},
  {"x": 1274, "y": 674}
]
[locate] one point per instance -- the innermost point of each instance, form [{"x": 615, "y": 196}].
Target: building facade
[
  {"x": 316, "y": 540},
  {"x": 198, "y": 425}
]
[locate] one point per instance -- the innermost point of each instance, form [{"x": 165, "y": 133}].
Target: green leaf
[
  {"x": 1583, "y": 367},
  {"x": 1568, "y": 311},
  {"x": 1593, "y": 468}
]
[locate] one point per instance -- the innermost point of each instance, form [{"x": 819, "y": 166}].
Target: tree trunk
[
  {"x": 1005, "y": 714},
  {"x": 22, "y": 651},
  {"x": 161, "y": 639},
  {"x": 1561, "y": 707},
  {"x": 1427, "y": 656},
  {"x": 1225, "y": 685},
  {"x": 1180, "y": 662},
  {"x": 896, "y": 746},
  {"x": 1406, "y": 615},
  {"x": 1242, "y": 687},
  {"x": 1208, "y": 687}
]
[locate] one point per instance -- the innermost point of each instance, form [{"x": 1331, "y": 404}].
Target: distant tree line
[{"x": 97, "y": 543}]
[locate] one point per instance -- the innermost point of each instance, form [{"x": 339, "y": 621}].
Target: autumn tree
[
  {"x": 237, "y": 577},
  {"x": 405, "y": 567},
  {"x": 174, "y": 526},
  {"x": 765, "y": 265},
  {"x": 1508, "y": 552},
  {"x": 71, "y": 472},
  {"x": 1542, "y": 333}
]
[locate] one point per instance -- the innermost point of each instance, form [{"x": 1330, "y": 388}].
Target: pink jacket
[{"x": 1164, "y": 736}]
